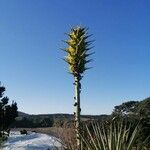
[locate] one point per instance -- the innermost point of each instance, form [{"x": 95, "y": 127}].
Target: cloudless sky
[{"x": 35, "y": 76}]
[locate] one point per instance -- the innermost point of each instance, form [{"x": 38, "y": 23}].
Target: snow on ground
[{"x": 31, "y": 141}]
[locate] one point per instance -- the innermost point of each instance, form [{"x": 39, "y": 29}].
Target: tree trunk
[{"x": 77, "y": 110}]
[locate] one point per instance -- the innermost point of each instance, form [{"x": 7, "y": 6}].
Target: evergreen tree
[
  {"x": 8, "y": 113},
  {"x": 125, "y": 108}
]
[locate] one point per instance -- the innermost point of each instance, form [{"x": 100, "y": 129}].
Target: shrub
[
  {"x": 107, "y": 135},
  {"x": 114, "y": 135},
  {"x": 23, "y": 132}
]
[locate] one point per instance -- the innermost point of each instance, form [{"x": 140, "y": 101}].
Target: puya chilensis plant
[
  {"x": 77, "y": 59},
  {"x": 116, "y": 135}
]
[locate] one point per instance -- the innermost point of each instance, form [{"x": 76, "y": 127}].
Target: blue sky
[{"x": 31, "y": 34}]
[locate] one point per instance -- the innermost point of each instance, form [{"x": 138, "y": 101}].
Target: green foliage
[
  {"x": 139, "y": 108},
  {"x": 8, "y": 113},
  {"x": 116, "y": 135},
  {"x": 130, "y": 130},
  {"x": 134, "y": 111},
  {"x": 143, "y": 108},
  {"x": 125, "y": 108},
  {"x": 32, "y": 122},
  {"x": 53, "y": 120}
]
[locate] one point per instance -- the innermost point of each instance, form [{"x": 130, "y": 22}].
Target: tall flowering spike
[
  {"x": 77, "y": 58},
  {"x": 77, "y": 50}
]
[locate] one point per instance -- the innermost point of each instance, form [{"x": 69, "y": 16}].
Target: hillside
[
  {"x": 22, "y": 114},
  {"x": 25, "y": 120}
]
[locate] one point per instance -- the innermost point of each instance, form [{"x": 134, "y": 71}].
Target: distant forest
[
  {"x": 133, "y": 110},
  {"x": 50, "y": 120}
]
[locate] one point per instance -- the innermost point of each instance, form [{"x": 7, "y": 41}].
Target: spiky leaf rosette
[{"x": 77, "y": 51}]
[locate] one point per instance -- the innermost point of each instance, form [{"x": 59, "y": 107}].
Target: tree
[
  {"x": 125, "y": 108},
  {"x": 143, "y": 108},
  {"x": 142, "y": 111},
  {"x": 77, "y": 58},
  {"x": 135, "y": 111},
  {"x": 8, "y": 113}
]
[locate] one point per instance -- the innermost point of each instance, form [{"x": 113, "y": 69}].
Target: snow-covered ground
[{"x": 31, "y": 141}]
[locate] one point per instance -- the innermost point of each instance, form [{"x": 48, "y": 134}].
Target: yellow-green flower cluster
[{"x": 78, "y": 47}]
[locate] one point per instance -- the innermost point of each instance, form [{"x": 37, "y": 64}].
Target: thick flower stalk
[{"x": 77, "y": 58}]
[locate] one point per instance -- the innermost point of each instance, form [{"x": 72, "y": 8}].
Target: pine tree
[{"x": 8, "y": 113}]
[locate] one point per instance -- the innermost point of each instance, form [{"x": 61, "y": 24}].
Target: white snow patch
[{"x": 31, "y": 141}]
